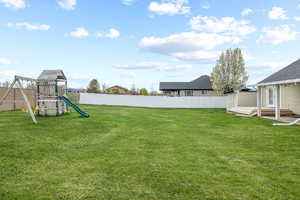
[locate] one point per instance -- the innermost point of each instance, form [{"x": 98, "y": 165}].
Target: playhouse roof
[{"x": 52, "y": 75}]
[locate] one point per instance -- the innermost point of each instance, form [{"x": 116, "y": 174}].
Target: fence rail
[{"x": 155, "y": 101}]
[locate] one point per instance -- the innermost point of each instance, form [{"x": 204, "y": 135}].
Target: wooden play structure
[
  {"x": 51, "y": 84},
  {"x": 51, "y": 94}
]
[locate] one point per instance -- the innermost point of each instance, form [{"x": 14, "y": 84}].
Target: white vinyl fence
[{"x": 155, "y": 101}]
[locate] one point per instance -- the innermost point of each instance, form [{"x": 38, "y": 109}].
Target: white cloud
[
  {"x": 128, "y": 2},
  {"x": 188, "y": 46},
  {"x": 186, "y": 41},
  {"x": 169, "y": 7},
  {"x": 67, "y": 4},
  {"x": 298, "y": 6},
  {"x": 246, "y": 11},
  {"x": 277, "y": 35},
  {"x": 80, "y": 32},
  {"x": 175, "y": 68},
  {"x": 297, "y": 19},
  {"x": 161, "y": 66},
  {"x": 140, "y": 66},
  {"x": 113, "y": 33},
  {"x": 247, "y": 56},
  {"x": 7, "y": 74},
  {"x": 227, "y": 25},
  {"x": 5, "y": 61},
  {"x": 197, "y": 56},
  {"x": 29, "y": 26},
  {"x": 98, "y": 35},
  {"x": 274, "y": 65},
  {"x": 82, "y": 77},
  {"x": 128, "y": 75},
  {"x": 205, "y": 5},
  {"x": 277, "y": 13},
  {"x": 259, "y": 71},
  {"x": 14, "y": 3}
]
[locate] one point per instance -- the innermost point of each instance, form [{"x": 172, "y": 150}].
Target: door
[{"x": 270, "y": 96}]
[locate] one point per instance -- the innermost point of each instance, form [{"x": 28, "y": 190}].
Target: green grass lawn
[{"x": 136, "y": 153}]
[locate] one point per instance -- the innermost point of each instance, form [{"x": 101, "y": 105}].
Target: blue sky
[{"x": 143, "y": 42}]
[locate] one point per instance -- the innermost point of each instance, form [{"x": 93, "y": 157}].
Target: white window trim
[
  {"x": 274, "y": 96},
  {"x": 268, "y": 97}
]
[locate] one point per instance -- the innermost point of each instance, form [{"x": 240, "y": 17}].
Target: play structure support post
[
  {"x": 27, "y": 102},
  {"x": 259, "y": 101},
  {"x": 38, "y": 98},
  {"x": 277, "y": 102},
  {"x": 56, "y": 94},
  {"x": 15, "y": 104},
  {"x": 66, "y": 92}
]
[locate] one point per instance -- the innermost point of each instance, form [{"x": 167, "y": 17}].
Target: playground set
[{"x": 51, "y": 94}]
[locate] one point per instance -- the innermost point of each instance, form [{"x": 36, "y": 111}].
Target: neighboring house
[
  {"x": 199, "y": 87},
  {"x": 281, "y": 90},
  {"x": 117, "y": 90}
]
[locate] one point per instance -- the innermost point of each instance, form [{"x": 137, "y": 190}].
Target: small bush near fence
[{"x": 74, "y": 97}]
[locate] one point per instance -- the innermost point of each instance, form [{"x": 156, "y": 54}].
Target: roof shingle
[
  {"x": 201, "y": 83},
  {"x": 290, "y": 72}
]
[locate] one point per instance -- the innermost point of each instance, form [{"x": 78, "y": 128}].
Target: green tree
[
  {"x": 31, "y": 86},
  {"x": 143, "y": 91},
  {"x": 229, "y": 74},
  {"x": 93, "y": 87}
]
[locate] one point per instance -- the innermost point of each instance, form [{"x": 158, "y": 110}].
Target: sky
[{"x": 143, "y": 42}]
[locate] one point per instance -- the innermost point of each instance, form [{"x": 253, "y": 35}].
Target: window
[
  {"x": 204, "y": 91},
  {"x": 188, "y": 93}
]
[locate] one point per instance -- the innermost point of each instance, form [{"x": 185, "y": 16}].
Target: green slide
[{"x": 75, "y": 107}]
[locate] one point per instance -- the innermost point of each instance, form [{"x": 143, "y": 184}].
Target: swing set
[
  {"x": 18, "y": 81},
  {"x": 51, "y": 98}
]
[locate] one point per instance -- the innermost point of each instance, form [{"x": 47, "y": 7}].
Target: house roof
[
  {"x": 117, "y": 86},
  {"x": 201, "y": 83},
  {"x": 52, "y": 75},
  {"x": 291, "y": 72},
  {"x": 248, "y": 89}
]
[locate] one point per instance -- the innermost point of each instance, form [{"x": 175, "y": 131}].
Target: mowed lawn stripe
[{"x": 144, "y": 153}]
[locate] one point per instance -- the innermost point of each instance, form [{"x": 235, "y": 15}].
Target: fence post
[{"x": 14, "y": 103}]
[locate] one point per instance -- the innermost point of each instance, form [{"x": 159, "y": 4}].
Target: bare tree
[{"x": 229, "y": 74}]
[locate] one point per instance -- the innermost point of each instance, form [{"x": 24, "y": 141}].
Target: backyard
[{"x": 138, "y": 153}]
